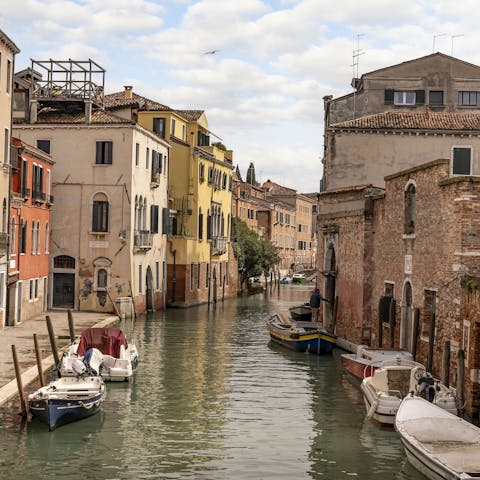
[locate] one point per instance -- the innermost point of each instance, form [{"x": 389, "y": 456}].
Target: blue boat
[
  {"x": 67, "y": 399},
  {"x": 300, "y": 336}
]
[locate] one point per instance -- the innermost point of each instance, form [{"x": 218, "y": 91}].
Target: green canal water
[{"x": 214, "y": 399}]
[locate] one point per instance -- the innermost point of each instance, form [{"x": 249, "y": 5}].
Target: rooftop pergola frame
[{"x": 65, "y": 83}]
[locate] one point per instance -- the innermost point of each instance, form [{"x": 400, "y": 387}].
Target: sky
[{"x": 262, "y": 91}]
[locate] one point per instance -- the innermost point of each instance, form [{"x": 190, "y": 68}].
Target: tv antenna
[
  {"x": 453, "y": 37},
  {"x": 356, "y": 54},
  {"x": 435, "y": 39}
]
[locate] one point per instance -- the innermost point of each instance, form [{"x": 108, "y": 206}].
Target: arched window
[
  {"x": 144, "y": 216},
  {"x": 135, "y": 220},
  {"x": 409, "y": 212},
  {"x": 37, "y": 245},
  {"x": 101, "y": 278},
  {"x": 209, "y": 225},
  {"x": 64, "y": 261},
  {"x": 33, "y": 238},
  {"x": 12, "y": 242},
  {"x": 47, "y": 238},
  {"x": 23, "y": 237},
  {"x": 200, "y": 224},
  {"x": 100, "y": 213},
  {"x": 222, "y": 227}
]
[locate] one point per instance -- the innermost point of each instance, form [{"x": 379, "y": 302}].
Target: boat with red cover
[{"x": 117, "y": 358}]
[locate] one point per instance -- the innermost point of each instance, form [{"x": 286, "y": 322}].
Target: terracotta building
[{"x": 30, "y": 227}]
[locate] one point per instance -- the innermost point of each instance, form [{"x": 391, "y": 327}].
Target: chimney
[
  {"x": 128, "y": 92},
  {"x": 88, "y": 111}
]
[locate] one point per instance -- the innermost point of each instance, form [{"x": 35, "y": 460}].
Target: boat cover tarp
[{"x": 107, "y": 340}]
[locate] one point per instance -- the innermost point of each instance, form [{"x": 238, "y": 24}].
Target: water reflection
[{"x": 213, "y": 398}]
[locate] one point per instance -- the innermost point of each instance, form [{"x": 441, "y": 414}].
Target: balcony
[
  {"x": 25, "y": 193},
  {"x": 38, "y": 196},
  {"x": 219, "y": 245},
  {"x": 50, "y": 199},
  {"x": 142, "y": 240},
  {"x": 155, "y": 180}
]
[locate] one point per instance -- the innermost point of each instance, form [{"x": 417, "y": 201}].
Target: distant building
[
  {"x": 30, "y": 227},
  {"x": 8, "y": 50}
]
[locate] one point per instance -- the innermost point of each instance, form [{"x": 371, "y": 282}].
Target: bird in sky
[{"x": 211, "y": 52}]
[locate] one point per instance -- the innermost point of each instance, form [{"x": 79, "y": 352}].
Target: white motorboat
[
  {"x": 116, "y": 359},
  {"x": 67, "y": 399},
  {"x": 367, "y": 359},
  {"x": 394, "y": 380},
  {"x": 437, "y": 443}
]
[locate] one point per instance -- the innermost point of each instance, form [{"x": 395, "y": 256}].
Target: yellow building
[{"x": 201, "y": 267}]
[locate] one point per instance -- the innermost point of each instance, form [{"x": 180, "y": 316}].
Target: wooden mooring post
[
  {"x": 18, "y": 375},
  {"x": 446, "y": 364},
  {"x": 416, "y": 326},
  {"x": 461, "y": 381},
  {"x": 53, "y": 344},
  {"x": 39, "y": 360},
  {"x": 71, "y": 326}
]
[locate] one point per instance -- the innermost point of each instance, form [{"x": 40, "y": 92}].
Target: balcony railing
[
  {"x": 38, "y": 196},
  {"x": 50, "y": 199},
  {"x": 25, "y": 192},
  {"x": 142, "y": 239},
  {"x": 219, "y": 245}
]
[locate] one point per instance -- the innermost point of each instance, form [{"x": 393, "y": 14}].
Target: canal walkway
[{"x": 22, "y": 337}]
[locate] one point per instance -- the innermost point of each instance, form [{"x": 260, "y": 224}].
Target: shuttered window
[
  {"x": 154, "y": 219},
  {"x": 461, "y": 161},
  {"x": 104, "y": 153},
  {"x": 100, "y": 216}
]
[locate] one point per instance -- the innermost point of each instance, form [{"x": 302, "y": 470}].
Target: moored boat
[
  {"x": 300, "y": 336},
  {"x": 437, "y": 443},
  {"x": 363, "y": 363},
  {"x": 384, "y": 391},
  {"x": 117, "y": 358},
  {"x": 67, "y": 399},
  {"x": 299, "y": 278},
  {"x": 301, "y": 313}
]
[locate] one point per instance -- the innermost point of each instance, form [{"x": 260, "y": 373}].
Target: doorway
[
  {"x": 149, "y": 290},
  {"x": 330, "y": 286},
  {"x": 63, "y": 290},
  {"x": 407, "y": 318}
]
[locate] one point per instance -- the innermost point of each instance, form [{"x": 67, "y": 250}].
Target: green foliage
[
  {"x": 220, "y": 146},
  {"x": 254, "y": 254}
]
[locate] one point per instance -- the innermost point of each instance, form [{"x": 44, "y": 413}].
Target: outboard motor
[
  {"x": 93, "y": 360},
  {"x": 78, "y": 367},
  {"x": 426, "y": 387}
]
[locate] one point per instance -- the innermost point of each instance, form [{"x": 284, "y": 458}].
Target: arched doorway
[
  {"x": 149, "y": 290},
  {"x": 406, "y": 328},
  {"x": 330, "y": 271},
  {"x": 63, "y": 282}
]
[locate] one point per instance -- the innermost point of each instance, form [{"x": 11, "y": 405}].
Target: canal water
[{"x": 214, "y": 399}]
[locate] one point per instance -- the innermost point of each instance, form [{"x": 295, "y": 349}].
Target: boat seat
[{"x": 399, "y": 380}]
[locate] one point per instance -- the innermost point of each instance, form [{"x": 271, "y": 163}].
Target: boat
[
  {"x": 384, "y": 391},
  {"x": 437, "y": 443},
  {"x": 363, "y": 363},
  {"x": 116, "y": 357},
  {"x": 286, "y": 280},
  {"x": 299, "y": 277},
  {"x": 67, "y": 399},
  {"x": 301, "y": 313},
  {"x": 300, "y": 336}
]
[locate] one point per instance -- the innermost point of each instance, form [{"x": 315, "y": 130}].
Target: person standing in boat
[{"x": 315, "y": 300}]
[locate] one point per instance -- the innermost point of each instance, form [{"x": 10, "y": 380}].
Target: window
[
  {"x": 436, "y": 97},
  {"x": 207, "y": 271},
  {"x": 230, "y": 184},
  {"x": 224, "y": 181},
  {"x": 23, "y": 237},
  {"x": 100, "y": 213},
  {"x": 35, "y": 293},
  {"x": 64, "y": 261},
  {"x": 200, "y": 224},
  {"x": 30, "y": 296},
  {"x": 404, "y": 98},
  {"x": 147, "y": 157},
  {"x": 461, "y": 160},
  {"x": 159, "y": 126},
  {"x": 210, "y": 175},
  {"x": 104, "y": 153},
  {"x": 9, "y": 74},
  {"x": 6, "y": 147},
  {"x": 47, "y": 238},
  {"x": 409, "y": 210},
  {"x": 154, "y": 218},
  {"x": 137, "y": 154},
  {"x": 44, "y": 145},
  {"x": 102, "y": 279},
  {"x": 184, "y": 132},
  {"x": 172, "y": 133},
  {"x": 37, "y": 241},
  {"x": 157, "y": 275},
  {"x": 471, "y": 99},
  {"x": 13, "y": 234},
  {"x": 37, "y": 182},
  {"x": 192, "y": 275},
  {"x": 32, "y": 230},
  {"x": 201, "y": 172},
  {"x": 140, "y": 279}
]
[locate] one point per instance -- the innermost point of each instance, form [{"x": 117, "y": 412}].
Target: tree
[{"x": 254, "y": 254}]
